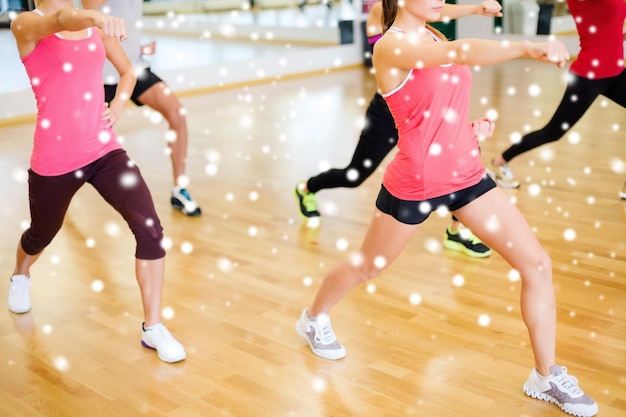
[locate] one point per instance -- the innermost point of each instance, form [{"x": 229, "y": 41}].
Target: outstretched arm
[
  {"x": 29, "y": 27},
  {"x": 486, "y": 8}
]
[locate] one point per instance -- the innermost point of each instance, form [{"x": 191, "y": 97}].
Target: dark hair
[{"x": 390, "y": 11}]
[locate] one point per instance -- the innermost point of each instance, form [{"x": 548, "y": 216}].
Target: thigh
[
  {"x": 120, "y": 183},
  {"x": 385, "y": 240},
  {"x": 49, "y": 199},
  {"x": 500, "y": 225},
  {"x": 617, "y": 90}
]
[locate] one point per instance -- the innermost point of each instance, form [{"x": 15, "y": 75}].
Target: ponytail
[{"x": 390, "y": 10}]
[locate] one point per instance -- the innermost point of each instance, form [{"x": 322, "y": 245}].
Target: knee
[
  {"x": 539, "y": 269},
  {"x": 33, "y": 243},
  {"x": 365, "y": 270}
]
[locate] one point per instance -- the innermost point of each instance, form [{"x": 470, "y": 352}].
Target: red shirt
[{"x": 600, "y": 26}]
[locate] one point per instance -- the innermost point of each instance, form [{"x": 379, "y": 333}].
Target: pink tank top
[
  {"x": 66, "y": 78},
  {"x": 438, "y": 153},
  {"x": 600, "y": 24}
]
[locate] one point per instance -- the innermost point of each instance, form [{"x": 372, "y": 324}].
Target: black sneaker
[
  {"x": 464, "y": 241},
  {"x": 181, "y": 200},
  {"x": 307, "y": 203}
]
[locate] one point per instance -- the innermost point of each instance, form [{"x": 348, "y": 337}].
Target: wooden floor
[{"x": 238, "y": 277}]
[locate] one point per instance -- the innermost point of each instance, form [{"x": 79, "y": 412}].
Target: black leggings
[
  {"x": 578, "y": 97},
  {"x": 117, "y": 179},
  {"x": 378, "y": 138}
]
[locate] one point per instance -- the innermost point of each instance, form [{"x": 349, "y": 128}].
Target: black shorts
[
  {"x": 415, "y": 212},
  {"x": 145, "y": 80}
]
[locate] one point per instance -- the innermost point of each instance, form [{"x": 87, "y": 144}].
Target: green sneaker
[
  {"x": 307, "y": 203},
  {"x": 464, "y": 241}
]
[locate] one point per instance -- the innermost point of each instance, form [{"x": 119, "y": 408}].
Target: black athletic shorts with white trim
[
  {"x": 415, "y": 212},
  {"x": 145, "y": 80}
]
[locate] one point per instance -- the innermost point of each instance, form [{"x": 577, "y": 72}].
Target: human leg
[
  {"x": 120, "y": 183},
  {"x": 383, "y": 242},
  {"x": 500, "y": 224},
  {"x": 152, "y": 91},
  {"x": 378, "y": 137},
  {"x": 49, "y": 198},
  {"x": 577, "y": 98}
]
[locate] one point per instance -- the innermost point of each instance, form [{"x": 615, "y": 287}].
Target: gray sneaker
[
  {"x": 319, "y": 333},
  {"x": 19, "y": 294},
  {"x": 561, "y": 389},
  {"x": 502, "y": 175}
]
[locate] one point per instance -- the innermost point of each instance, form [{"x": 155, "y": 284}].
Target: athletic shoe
[
  {"x": 503, "y": 176},
  {"x": 307, "y": 203},
  {"x": 19, "y": 294},
  {"x": 561, "y": 389},
  {"x": 463, "y": 240},
  {"x": 622, "y": 194},
  {"x": 319, "y": 333},
  {"x": 181, "y": 200},
  {"x": 157, "y": 337}
]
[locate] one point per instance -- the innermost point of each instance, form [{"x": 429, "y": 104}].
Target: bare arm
[
  {"x": 486, "y": 8},
  {"x": 93, "y": 4},
  {"x": 115, "y": 53},
  {"x": 396, "y": 54},
  {"x": 29, "y": 28},
  {"x": 449, "y": 12}
]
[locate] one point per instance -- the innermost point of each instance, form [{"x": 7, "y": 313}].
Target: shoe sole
[
  {"x": 19, "y": 311},
  {"x": 458, "y": 247},
  {"x": 500, "y": 182},
  {"x": 178, "y": 206},
  {"x": 302, "y": 333},
  {"x": 544, "y": 397},
  {"x": 177, "y": 359}
]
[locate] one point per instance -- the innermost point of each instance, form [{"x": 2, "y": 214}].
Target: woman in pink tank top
[
  {"x": 63, "y": 51},
  {"x": 426, "y": 82}
]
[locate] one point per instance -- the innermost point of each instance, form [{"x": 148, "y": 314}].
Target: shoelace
[
  {"x": 309, "y": 201},
  {"x": 569, "y": 383},
  {"x": 326, "y": 335},
  {"x": 20, "y": 286}
]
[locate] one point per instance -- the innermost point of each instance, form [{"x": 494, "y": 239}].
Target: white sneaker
[
  {"x": 622, "y": 193},
  {"x": 562, "y": 390},
  {"x": 319, "y": 333},
  {"x": 502, "y": 175},
  {"x": 19, "y": 294},
  {"x": 157, "y": 337}
]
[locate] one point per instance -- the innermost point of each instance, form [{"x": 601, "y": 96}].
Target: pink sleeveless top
[
  {"x": 66, "y": 78},
  {"x": 438, "y": 153}
]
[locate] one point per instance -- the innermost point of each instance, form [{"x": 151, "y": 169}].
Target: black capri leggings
[
  {"x": 578, "y": 97},
  {"x": 117, "y": 179}
]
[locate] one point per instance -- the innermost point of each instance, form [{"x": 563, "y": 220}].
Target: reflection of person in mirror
[
  {"x": 74, "y": 144},
  {"x": 426, "y": 82},
  {"x": 598, "y": 70},
  {"x": 152, "y": 91},
  {"x": 380, "y": 136}
]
